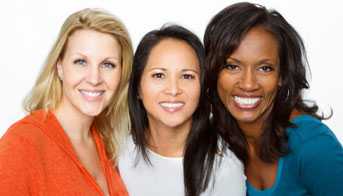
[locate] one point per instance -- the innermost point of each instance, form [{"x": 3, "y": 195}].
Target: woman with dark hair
[
  {"x": 171, "y": 149},
  {"x": 256, "y": 65}
]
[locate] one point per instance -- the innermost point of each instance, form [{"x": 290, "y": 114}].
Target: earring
[{"x": 287, "y": 94}]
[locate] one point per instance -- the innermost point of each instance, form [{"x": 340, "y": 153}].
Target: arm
[{"x": 321, "y": 165}]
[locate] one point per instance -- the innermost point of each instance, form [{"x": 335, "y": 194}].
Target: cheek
[
  {"x": 71, "y": 78},
  {"x": 192, "y": 91},
  {"x": 223, "y": 86},
  {"x": 191, "y": 87},
  {"x": 271, "y": 94},
  {"x": 148, "y": 90},
  {"x": 270, "y": 87},
  {"x": 73, "y": 75},
  {"x": 270, "y": 84},
  {"x": 113, "y": 79}
]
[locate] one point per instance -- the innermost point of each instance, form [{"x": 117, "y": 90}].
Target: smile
[
  {"x": 247, "y": 102},
  {"x": 172, "y": 106},
  {"x": 91, "y": 95}
]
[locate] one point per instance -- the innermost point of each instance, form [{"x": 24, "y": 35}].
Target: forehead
[
  {"x": 173, "y": 54},
  {"x": 257, "y": 43},
  {"x": 90, "y": 42}
]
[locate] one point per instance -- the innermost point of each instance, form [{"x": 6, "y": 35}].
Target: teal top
[{"x": 313, "y": 166}]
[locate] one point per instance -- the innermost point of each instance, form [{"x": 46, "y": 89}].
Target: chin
[
  {"x": 173, "y": 123},
  {"x": 91, "y": 111},
  {"x": 245, "y": 118}
]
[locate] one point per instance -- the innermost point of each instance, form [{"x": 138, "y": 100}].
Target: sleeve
[
  {"x": 321, "y": 165},
  {"x": 14, "y": 172}
]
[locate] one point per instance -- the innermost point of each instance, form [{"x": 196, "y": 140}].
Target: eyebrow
[
  {"x": 114, "y": 58},
  {"x": 164, "y": 69},
  {"x": 153, "y": 68},
  {"x": 268, "y": 61},
  {"x": 233, "y": 59},
  {"x": 80, "y": 54},
  {"x": 192, "y": 70},
  {"x": 107, "y": 58}
]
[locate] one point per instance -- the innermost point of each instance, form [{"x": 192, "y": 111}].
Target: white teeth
[
  {"x": 91, "y": 93},
  {"x": 246, "y": 100},
  {"x": 171, "y": 104}
]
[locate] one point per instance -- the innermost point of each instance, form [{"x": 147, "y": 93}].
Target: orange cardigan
[{"x": 37, "y": 158}]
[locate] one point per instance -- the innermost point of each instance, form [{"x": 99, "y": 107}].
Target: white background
[{"x": 29, "y": 28}]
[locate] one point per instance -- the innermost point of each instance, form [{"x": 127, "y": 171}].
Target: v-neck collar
[{"x": 56, "y": 133}]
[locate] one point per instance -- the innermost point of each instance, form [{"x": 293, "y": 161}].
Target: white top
[{"x": 164, "y": 177}]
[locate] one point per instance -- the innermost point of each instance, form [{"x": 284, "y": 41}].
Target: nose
[
  {"x": 248, "y": 81},
  {"x": 173, "y": 87},
  {"x": 94, "y": 75}
]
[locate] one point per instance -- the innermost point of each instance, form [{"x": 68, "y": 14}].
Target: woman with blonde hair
[{"x": 68, "y": 143}]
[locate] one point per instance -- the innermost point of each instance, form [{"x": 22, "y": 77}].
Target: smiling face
[
  {"x": 90, "y": 71},
  {"x": 170, "y": 84},
  {"x": 248, "y": 83}
]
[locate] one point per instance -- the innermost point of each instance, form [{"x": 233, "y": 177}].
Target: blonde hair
[{"x": 46, "y": 94}]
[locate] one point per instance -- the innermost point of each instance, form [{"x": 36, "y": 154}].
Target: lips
[
  {"x": 247, "y": 102},
  {"x": 92, "y": 95},
  {"x": 172, "y": 106}
]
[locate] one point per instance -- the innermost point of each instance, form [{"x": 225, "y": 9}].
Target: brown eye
[
  {"x": 158, "y": 75},
  {"x": 266, "y": 68},
  {"x": 231, "y": 66},
  {"x": 188, "y": 76}
]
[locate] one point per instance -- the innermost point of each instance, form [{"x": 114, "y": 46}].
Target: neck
[
  {"x": 75, "y": 124},
  {"x": 253, "y": 147},
  {"x": 168, "y": 141},
  {"x": 253, "y": 136},
  {"x": 252, "y": 131}
]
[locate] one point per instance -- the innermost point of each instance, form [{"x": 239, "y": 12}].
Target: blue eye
[
  {"x": 158, "y": 75},
  {"x": 109, "y": 65},
  {"x": 188, "y": 76},
  {"x": 80, "y": 62}
]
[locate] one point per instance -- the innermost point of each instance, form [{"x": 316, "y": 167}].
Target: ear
[{"x": 59, "y": 69}]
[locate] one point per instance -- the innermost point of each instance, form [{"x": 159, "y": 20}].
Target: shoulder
[
  {"x": 127, "y": 147},
  {"x": 24, "y": 132},
  {"x": 228, "y": 176},
  {"x": 127, "y": 156},
  {"x": 307, "y": 129},
  {"x": 228, "y": 166},
  {"x": 314, "y": 144},
  {"x": 19, "y": 148},
  {"x": 318, "y": 154},
  {"x": 18, "y": 145},
  {"x": 227, "y": 156}
]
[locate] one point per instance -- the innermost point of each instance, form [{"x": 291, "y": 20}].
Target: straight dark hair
[
  {"x": 223, "y": 35},
  {"x": 201, "y": 143}
]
